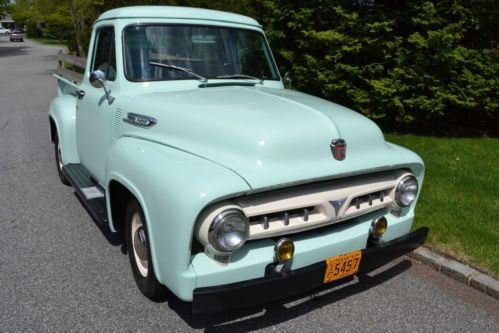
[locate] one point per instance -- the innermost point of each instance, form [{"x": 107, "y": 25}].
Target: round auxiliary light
[
  {"x": 228, "y": 231},
  {"x": 378, "y": 227},
  {"x": 284, "y": 250},
  {"x": 406, "y": 191}
]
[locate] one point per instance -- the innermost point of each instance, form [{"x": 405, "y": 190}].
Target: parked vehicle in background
[
  {"x": 4, "y": 31},
  {"x": 231, "y": 190},
  {"x": 16, "y": 36}
]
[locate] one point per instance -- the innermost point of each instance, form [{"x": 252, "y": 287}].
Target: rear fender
[{"x": 63, "y": 113}]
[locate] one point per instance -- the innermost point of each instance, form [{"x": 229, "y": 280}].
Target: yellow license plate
[{"x": 341, "y": 266}]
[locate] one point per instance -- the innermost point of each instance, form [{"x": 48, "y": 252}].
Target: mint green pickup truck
[{"x": 230, "y": 190}]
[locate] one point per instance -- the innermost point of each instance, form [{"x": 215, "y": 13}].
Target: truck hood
[{"x": 270, "y": 137}]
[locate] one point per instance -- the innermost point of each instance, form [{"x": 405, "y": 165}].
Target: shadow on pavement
[
  {"x": 114, "y": 238},
  {"x": 13, "y": 51},
  {"x": 278, "y": 312}
]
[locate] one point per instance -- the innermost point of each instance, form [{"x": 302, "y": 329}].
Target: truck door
[{"x": 93, "y": 111}]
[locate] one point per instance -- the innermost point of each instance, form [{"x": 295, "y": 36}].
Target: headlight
[
  {"x": 406, "y": 192},
  {"x": 228, "y": 231}
]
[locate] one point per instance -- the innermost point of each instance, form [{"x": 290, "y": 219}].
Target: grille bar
[
  {"x": 368, "y": 198},
  {"x": 283, "y": 217}
]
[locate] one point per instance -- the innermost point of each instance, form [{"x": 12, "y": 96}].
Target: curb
[{"x": 458, "y": 271}]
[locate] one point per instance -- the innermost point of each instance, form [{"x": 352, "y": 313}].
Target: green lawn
[
  {"x": 460, "y": 196},
  {"x": 47, "y": 41}
]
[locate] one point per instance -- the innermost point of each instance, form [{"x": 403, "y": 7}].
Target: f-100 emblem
[
  {"x": 339, "y": 149},
  {"x": 140, "y": 120}
]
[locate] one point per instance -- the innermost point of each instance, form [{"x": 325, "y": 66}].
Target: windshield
[{"x": 211, "y": 52}]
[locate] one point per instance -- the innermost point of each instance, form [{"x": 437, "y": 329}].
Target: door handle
[{"x": 80, "y": 94}]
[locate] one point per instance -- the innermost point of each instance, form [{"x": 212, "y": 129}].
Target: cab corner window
[{"x": 104, "y": 53}]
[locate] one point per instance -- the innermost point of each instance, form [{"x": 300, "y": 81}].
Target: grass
[
  {"x": 48, "y": 41},
  {"x": 460, "y": 196}
]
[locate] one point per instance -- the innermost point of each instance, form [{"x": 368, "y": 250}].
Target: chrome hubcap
[
  {"x": 139, "y": 244},
  {"x": 59, "y": 156}
]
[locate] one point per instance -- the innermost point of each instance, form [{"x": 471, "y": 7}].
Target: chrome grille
[
  {"x": 284, "y": 217},
  {"x": 292, "y": 210},
  {"x": 368, "y": 202},
  {"x": 302, "y": 208},
  {"x": 368, "y": 198}
]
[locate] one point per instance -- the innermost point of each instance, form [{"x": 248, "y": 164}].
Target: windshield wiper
[
  {"x": 182, "y": 69},
  {"x": 240, "y": 76}
]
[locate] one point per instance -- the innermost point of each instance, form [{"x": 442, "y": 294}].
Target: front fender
[
  {"x": 172, "y": 187},
  {"x": 63, "y": 112}
]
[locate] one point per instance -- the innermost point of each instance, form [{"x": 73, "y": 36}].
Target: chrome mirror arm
[
  {"x": 110, "y": 99},
  {"x": 287, "y": 80}
]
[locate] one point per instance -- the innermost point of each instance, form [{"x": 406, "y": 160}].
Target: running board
[{"x": 91, "y": 195}]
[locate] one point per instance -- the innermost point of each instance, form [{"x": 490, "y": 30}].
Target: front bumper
[{"x": 270, "y": 288}]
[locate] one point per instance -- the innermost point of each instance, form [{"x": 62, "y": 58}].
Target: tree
[
  {"x": 4, "y": 8},
  {"x": 83, "y": 13},
  {"x": 405, "y": 63},
  {"x": 68, "y": 20}
]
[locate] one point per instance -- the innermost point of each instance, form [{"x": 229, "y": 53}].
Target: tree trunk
[{"x": 80, "y": 52}]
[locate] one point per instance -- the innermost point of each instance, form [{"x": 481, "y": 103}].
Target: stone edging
[{"x": 458, "y": 271}]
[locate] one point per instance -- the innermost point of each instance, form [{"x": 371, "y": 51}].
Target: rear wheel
[
  {"x": 139, "y": 253},
  {"x": 59, "y": 163}
]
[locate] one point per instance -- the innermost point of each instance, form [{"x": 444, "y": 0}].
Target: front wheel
[
  {"x": 139, "y": 253},
  {"x": 59, "y": 163}
]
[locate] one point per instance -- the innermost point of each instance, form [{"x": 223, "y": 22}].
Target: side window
[{"x": 104, "y": 53}]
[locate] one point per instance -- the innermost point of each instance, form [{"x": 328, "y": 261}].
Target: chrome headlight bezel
[
  {"x": 406, "y": 187},
  {"x": 233, "y": 221}
]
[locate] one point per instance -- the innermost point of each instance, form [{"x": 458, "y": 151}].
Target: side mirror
[
  {"x": 98, "y": 80},
  {"x": 287, "y": 80}
]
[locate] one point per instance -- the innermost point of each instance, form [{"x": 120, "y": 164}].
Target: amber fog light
[
  {"x": 378, "y": 227},
  {"x": 284, "y": 250}
]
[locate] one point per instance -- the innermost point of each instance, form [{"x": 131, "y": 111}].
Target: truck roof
[{"x": 176, "y": 13}]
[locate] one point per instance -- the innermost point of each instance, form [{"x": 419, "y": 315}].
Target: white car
[{"x": 4, "y": 31}]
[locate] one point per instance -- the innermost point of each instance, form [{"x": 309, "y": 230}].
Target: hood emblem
[
  {"x": 339, "y": 149},
  {"x": 140, "y": 120},
  {"x": 337, "y": 205}
]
